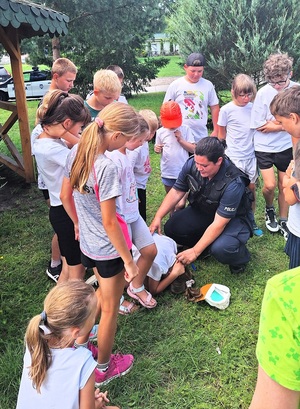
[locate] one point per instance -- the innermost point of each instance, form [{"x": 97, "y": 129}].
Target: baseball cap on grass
[
  {"x": 195, "y": 60},
  {"x": 216, "y": 295},
  {"x": 170, "y": 115}
]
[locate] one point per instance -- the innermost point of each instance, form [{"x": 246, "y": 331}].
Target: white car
[{"x": 37, "y": 83}]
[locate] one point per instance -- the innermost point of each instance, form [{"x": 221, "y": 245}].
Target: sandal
[
  {"x": 129, "y": 309},
  {"x": 132, "y": 292}
]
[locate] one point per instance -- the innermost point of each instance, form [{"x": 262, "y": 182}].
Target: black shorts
[
  {"x": 280, "y": 160},
  {"x": 64, "y": 228},
  {"x": 105, "y": 268},
  {"x": 45, "y": 194}
]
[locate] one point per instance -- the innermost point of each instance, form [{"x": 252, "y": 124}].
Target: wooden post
[{"x": 12, "y": 46}]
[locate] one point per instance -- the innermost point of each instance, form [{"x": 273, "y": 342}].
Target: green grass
[
  {"x": 173, "y": 69},
  {"x": 176, "y": 362}
]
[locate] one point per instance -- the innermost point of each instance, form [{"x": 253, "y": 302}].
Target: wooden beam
[{"x": 17, "y": 72}]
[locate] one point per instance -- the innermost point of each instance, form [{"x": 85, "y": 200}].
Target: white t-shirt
[
  {"x": 173, "y": 155},
  {"x": 128, "y": 201},
  {"x": 51, "y": 156},
  {"x": 194, "y": 100},
  {"x": 68, "y": 374},
  {"x": 165, "y": 257},
  {"x": 140, "y": 162},
  {"x": 239, "y": 136},
  {"x": 271, "y": 142},
  {"x": 293, "y": 219}
]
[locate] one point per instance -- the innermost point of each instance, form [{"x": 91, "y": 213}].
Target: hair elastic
[
  {"x": 99, "y": 122},
  {"x": 44, "y": 316}
]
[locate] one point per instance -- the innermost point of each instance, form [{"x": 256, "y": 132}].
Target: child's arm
[
  {"x": 66, "y": 196},
  {"x": 291, "y": 188},
  {"x": 70, "y": 139},
  {"x": 270, "y": 126},
  {"x": 158, "y": 147},
  {"x": 115, "y": 235},
  {"x": 222, "y": 132},
  {"x": 215, "y": 109},
  {"x": 156, "y": 287},
  {"x": 188, "y": 146}
]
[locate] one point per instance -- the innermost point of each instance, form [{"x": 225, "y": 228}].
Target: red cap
[{"x": 170, "y": 115}]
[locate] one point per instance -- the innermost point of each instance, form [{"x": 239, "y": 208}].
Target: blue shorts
[{"x": 168, "y": 182}]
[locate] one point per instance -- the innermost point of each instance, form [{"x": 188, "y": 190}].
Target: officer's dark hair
[{"x": 210, "y": 147}]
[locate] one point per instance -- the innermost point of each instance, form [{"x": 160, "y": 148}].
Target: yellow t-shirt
[{"x": 278, "y": 347}]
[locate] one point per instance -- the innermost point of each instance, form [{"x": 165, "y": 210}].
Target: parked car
[
  {"x": 4, "y": 74},
  {"x": 37, "y": 83}
]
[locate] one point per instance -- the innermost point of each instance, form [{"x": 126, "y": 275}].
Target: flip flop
[{"x": 132, "y": 292}]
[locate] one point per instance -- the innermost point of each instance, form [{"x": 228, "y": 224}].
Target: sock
[
  {"x": 84, "y": 345},
  {"x": 55, "y": 263},
  {"x": 103, "y": 367},
  {"x": 283, "y": 219}
]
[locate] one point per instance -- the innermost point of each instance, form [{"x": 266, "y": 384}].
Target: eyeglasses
[
  {"x": 248, "y": 95},
  {"x": 280, "y": 83}
]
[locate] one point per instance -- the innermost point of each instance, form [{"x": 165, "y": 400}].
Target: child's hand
[
  {"x": 290, "y": 168},
  {"x": 131, "y": 271},
  {"x": 158, "y": 148},
  {"x": 100, "y": 399},
  {"x": 178, "y": 135}
]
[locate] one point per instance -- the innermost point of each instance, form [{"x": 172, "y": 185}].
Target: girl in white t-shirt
[
  {"x": 55, "y": 374},
  {"x": 65, "y": 114},
  {"x": 234, "y": 126}
]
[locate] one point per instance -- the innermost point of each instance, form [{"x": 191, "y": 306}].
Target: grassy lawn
[{"x": 176, "y": 361}]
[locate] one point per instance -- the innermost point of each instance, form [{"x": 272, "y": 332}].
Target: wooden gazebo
[{"x": 21, "y": 19}]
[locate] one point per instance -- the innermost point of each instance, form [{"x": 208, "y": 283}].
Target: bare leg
[
  {"x": 55, "y": 252},
  {"x": 269, "y": 185},
  {"x": 110, "y": 292},
  {"x": 282, "y": 204},
  {"x": 144, "y": 263}
]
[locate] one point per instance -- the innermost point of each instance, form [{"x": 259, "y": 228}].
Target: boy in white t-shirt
[
  {"x": 174, "y": 142},
  {"x": 234, "y": 126},
  {"x": 272, "y": 144}
]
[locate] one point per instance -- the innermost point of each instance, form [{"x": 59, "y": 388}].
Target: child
[
  {"x": 120, "y": 73},
  {"x": 66, "y": 113},
  {"x": 165, "y": 268},
  {"x": 234, "y": 126},
  {"x": 107, "y": 88},
  {"x": 128, "y": 203},
  {"x": 55, "y": 265},
  {"x": 89, "y": 192},
  {"x": 174, "y": 142},
  {"x": 273, "y": 146},
  {"x": 63, "y": 75},
  {"x": 286, "y": 109},
  {"x": 55, "y": 374},
  {"x": 140, "y": 161}
]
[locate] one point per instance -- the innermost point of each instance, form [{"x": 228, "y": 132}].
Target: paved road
[{"x": 160, "y": 84}]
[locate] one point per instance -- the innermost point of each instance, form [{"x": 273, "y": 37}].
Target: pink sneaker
[
  {"x": 93, "y": 349},
  {"x": 119, "y": 365}
]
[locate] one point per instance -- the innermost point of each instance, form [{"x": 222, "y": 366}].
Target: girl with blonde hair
[
  {"x": 54, "y": 373},
  {"x": 89, "y": 192}
]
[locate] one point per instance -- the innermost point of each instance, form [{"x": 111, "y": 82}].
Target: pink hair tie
[{"x": 99, "y": 122}]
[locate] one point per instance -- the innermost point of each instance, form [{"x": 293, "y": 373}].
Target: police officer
[{"x": 218, "y": 218}]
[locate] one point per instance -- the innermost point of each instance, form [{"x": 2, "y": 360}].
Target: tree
[
  {"x": 108, "y": 32},
  {"x": 236, "y": 36}
]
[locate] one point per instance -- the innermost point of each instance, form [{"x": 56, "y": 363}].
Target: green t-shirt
[{"x": 278, "y": 347}]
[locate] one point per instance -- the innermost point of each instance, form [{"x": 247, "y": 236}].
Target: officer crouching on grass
[{"x": 218, "y": 218}]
